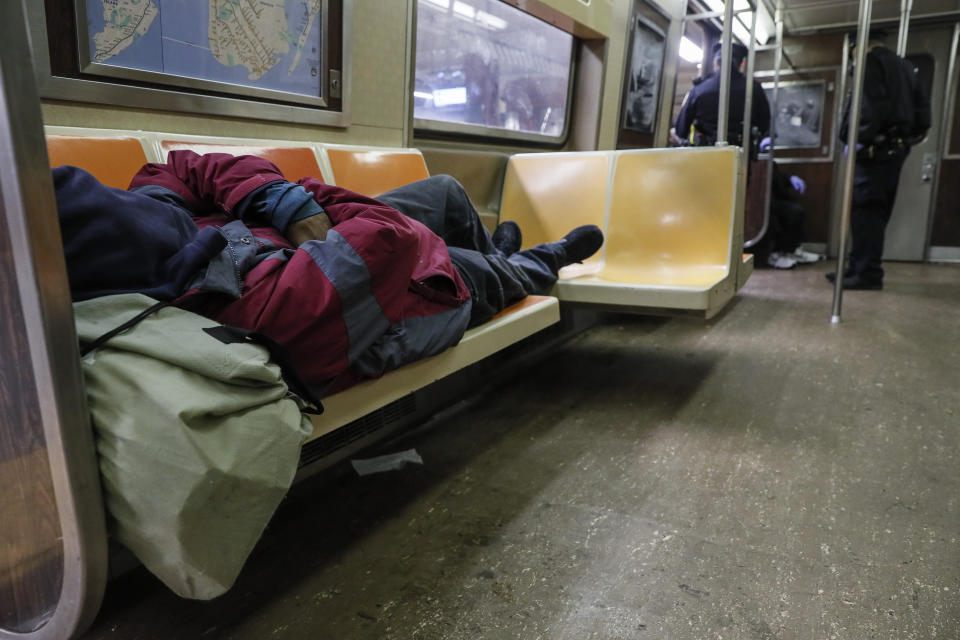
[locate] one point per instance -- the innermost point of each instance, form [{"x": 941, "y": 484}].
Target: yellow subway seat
[
  {"x": 548, "y": 194},
  {"x": 671, "y": 276},
  {"x": 672, "y": 208}
]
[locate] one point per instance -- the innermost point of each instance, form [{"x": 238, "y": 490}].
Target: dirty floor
[{"x": 764, "y": 475}]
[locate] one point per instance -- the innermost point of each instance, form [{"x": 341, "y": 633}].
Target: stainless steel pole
[
  {"x": 669, "y": 78},
  {"x": 863, "y": 28},
  {"x": 946, "y": 121},
  {"x": 777, "y": 63},
  {"x": 747, "y": 109},
  {"x": 836, "y": 198},
  {"x": 748, "y": 96},
  {"x": 774, "y": 110},
  {"x": 906, "y": 6},
  {"x": 725, "y": 73},
  {"x": 844, "y": 75}
]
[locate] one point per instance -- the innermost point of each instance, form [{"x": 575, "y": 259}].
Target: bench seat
[
  {"x": 511, "y": 325},
  {"x": 389, "y": 168},
  {"x": 672, "y": 220},
  {"x": 373, "y": 170}
]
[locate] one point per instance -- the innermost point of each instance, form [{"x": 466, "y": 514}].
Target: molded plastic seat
[
  {"x": 548, "y": 194},
  {"x": 293, "y": 161},
  {"x": 672, "y": 219},
  {"x": 372, "y": 171},
  {"x": 112, "y": 160},
  {"x": 511, "y": 325}
]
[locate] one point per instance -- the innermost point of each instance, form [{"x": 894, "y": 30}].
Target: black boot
[
  {"x": 581, "y": 243},
  {"x": 507, "y": 238},
  {"x": 859, "y": 282},
  {"x": 832, "y": 276}
]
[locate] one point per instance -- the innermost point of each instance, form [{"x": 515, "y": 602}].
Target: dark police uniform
[
  {"x": 894, "y": 113},
  {"x": 701, "y": 107}
]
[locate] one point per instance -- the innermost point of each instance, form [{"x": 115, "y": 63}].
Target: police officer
[
  {"x": 894, "y": 114},
  {"x": 697, "y": 121}
]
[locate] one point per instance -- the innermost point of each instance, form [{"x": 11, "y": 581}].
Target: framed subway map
[{"x": 258, "y": 48}]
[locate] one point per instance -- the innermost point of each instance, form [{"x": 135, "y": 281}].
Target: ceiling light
[{"x": 690, "y": 51}]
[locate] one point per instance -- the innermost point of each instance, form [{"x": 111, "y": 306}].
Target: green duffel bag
[{"x": 198, "y": 440}]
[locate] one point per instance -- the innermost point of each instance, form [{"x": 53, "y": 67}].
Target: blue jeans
[{"x": 495, "y": 280}]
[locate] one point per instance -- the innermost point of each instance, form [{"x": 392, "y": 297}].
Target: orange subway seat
[
  {"x": 112, "y": 161},
  {"x": 294, "y": 162},
  {"x": 374, "y": 172}
]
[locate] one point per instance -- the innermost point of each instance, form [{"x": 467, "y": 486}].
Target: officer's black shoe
[
  {"x": 832, "y": 276},
  {"x": 858, "y": 282},
  {"x": 507, "y": 237},
  {"x": 581, "y": 243}
]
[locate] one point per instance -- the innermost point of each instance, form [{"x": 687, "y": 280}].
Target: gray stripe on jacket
[{"x": 350, "y": 276}]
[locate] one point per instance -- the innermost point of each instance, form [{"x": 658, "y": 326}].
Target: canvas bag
[{"x": 198, "y": 440}]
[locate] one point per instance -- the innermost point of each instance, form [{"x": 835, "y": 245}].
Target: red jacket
[{"x": 378, "y": 293}]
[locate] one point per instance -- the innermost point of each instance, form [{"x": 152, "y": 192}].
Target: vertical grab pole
[
  {"x": 863, "y": 28},
  {"x": 946, "y": 121},
  {"x": 725, "y": 73},
  {"x": 777, "y": 62},
  {"x": 748, "y": 111},
  {"x": 669, "y": 82},
  {"x": 842, "y": 107},
  {"x": 748, "y": 96},
  {"x": 906, "y": 6}
]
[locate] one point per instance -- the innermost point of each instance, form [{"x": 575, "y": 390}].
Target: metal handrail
[{"x": 863, "y": 29}]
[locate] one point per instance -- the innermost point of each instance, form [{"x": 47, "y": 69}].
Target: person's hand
[
  {"x": 765, "y": 144},
  {"x": 798, "y": 183},
  {"x": 312, "y": 228}
]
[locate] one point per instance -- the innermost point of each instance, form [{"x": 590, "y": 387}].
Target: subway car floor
[{"x": 762, "y": 475}]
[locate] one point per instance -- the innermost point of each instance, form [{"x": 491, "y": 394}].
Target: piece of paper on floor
[{"x": 389, "y": 462}]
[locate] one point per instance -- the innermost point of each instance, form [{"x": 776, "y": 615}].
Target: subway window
[{"x": 485, "y": 67}]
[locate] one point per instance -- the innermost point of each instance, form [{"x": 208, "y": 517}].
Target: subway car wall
[{"x": 376, "y": 86}]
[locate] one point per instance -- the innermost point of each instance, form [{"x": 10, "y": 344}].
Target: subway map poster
[{"x": 266, "y": 44}]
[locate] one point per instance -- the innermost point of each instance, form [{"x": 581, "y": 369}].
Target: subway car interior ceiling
[{"x": 446, "y": 319}]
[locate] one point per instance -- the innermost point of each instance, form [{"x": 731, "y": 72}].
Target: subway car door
[{"x": 929, "y": 50}]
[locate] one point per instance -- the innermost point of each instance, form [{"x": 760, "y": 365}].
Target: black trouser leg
[
  {"x": 874, "y": 194},
  {"x": 790, "y": 216},
  {"x": 495, "y": 281},
  {"x": 442, "y": 205}
]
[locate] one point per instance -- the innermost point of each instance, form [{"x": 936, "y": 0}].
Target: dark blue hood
[{"x": 124, "y": 242}]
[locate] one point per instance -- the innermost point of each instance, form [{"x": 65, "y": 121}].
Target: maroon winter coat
[{"x": 379, "y": 292}]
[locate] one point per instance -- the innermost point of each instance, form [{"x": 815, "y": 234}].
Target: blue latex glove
[
  {"x": 765, "y": 144},
  {"x": 798, "y": 183}
]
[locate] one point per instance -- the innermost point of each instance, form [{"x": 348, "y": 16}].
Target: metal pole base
[{"x": 834, "y": 319}]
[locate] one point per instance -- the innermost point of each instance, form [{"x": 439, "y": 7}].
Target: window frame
[
  {"x": 443, "y": 129},
  {"x": 65, "y": 79}
]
